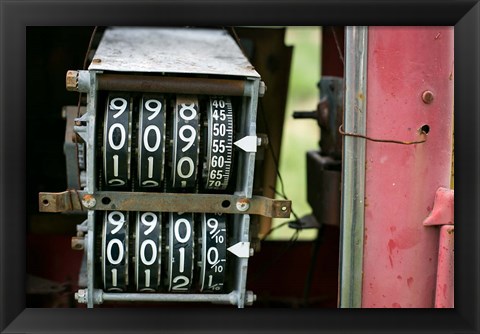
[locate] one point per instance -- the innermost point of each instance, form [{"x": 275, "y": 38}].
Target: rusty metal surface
[
  {"x": 330, "y": 115},
  {"x": 164, "y": 84},
  {"x": 171, "y": 50},
  {"x": 72, "y": 200}
]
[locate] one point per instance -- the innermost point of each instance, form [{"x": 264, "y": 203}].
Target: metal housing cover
[{"x": 171, "y": 50}]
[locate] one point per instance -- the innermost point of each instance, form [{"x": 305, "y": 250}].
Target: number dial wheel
[
  {"x": 220, "y": 141},
  {"x": 151, "y": 141},
  {"x": 116, "y": 140},
  {"x": 180, "y": 251},
  {"x": 148, "y": 236},
  {"x": 115, "y": 251},
  {"x": 214, "y": 252},
  {"x": 186, "y": 138}
]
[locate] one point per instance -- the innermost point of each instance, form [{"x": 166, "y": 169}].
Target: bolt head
[
  {"x": 243, "y": 205},
  {"x": 89, "y": 201},
  {"x": 250, "y": 298},
  {"x": 427, "y": 97}
]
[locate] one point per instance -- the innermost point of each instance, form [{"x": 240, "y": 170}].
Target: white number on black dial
[
  {"x": 115, "y": 250},
  {"x": 186, "y": 137},
  {"x": 180, "y": 254},
  {"x": 214, "y": 252},
  {"x": 151, "y": 141},
  {"x": 148, "y": 251},
  {"x": 116, "y": 140},
  {"x": 219, "y": 143}
]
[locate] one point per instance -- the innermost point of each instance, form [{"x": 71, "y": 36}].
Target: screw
[
  {"x": 243, "y": 205},
  {"x": 427, "y": 97},
  {"x": 80, "y": 296},
  {"x": 262, "y": 89},
  {"x": 96, "y": 61},
  {"x": 89, "y": 201},
  {"x": 262, "y": 140},
  {"x": 250, "y": 298},
  {"x": 77, "y": 243}
]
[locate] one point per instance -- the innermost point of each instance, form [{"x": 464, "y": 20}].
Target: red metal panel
[
  {"x": 442, "y": 213},
  {"x": 444, "y": 296},
  {"x": 400, "y": 254}
]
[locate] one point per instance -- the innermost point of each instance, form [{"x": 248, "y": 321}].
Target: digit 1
[
  {"x": 114, "y": 277},
  {"x": 115, "y": 165},
  {"x": 182, "y": 259},
  {"x": 150, "y": 167},
  {"x": 210, "y": 280},
  {"x": 147, "y": 278}
]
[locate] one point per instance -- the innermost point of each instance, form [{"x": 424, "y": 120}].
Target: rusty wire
[
  {"x": 340, "y": 53},
  {"x": 422, "y": 132}
]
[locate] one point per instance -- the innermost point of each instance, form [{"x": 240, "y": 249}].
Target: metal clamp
[{"x": 72, "y": 200}]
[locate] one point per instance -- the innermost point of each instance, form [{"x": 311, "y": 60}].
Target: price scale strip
[{"x": 149, "y": 125}]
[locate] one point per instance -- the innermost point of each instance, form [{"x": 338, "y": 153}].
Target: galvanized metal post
[{"x": 353, "y": 173}]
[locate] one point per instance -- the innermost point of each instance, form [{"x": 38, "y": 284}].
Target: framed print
[{"x": 153, "y": 136}]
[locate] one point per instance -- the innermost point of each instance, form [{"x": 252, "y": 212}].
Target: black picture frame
[{"x": 17, "y": 15}]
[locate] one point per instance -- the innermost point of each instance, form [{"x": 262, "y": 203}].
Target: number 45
[{"x": 219, "y": 114}]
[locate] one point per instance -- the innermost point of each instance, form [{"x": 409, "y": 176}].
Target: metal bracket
[
  {"x": 442, "y": 216},
  {"x": 72, "y": 200},
  {"x": 442, "y": 213}
]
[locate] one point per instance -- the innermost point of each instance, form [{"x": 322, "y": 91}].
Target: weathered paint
[
  {"x": 400, "y": 254},
  {"x": 444, "y": 296},
  {"x": 442, "y": 213}
]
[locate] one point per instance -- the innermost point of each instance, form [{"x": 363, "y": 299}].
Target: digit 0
[{"x": 187, "y": 231}]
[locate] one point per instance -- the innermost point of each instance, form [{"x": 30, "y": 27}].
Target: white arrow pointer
[
  {"x": 248, "y": 143},
  {"x": 240, "y": 249}
]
